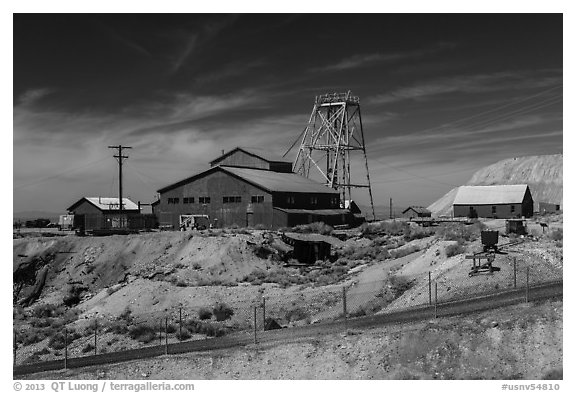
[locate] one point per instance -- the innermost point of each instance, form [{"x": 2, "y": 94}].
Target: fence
[{"x": 334, "y": 303}]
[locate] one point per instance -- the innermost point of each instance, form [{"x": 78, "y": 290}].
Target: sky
[{"x": 442, "y": 95}]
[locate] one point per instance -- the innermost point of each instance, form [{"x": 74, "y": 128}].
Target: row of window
[
  {"x": 290, "y": 200},
  {"x": 187, "y": 200},
  {"x": 206, "y": 200}
]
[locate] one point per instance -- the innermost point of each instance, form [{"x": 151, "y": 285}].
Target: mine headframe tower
[{"x": 334, "y": 133}]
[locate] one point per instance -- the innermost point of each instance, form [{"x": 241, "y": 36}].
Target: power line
[
  {"x": 41, "y": 180},
  {"x": 491, "y": 110}
]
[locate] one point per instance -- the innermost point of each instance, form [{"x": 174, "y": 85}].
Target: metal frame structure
[{"x": 334, "y": 131}]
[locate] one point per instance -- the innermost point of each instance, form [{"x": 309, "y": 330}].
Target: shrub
[
  {"x": 185, "y": 335},
  {"x": 556, "y": 234},
  {"x": 315, "y": 227},
  {"x": 402, "y": 252},
  {"x": 171, "y": 328},
  {"x": 142, "y": 333},
  {"x": 88, "y": 348},
  {"x": 222, "y": 311},
  {"x": 454, "y": 249},
  {"x": 398, "y": 285},
  {"x": 204, "y": 313},
  {"x": 206, "y": 328},
  {"x": 73, "y": 297},
  {"x": 196, "y": 266},
  {"x": 296, "y": 314},
  {"x": 417, "y": 233},
  {"x": 57, "y": 341},
  {"x": 117, "y": 327},
  {"x": 393, "y": 228},
  {"x": 459, "y": 232},
  {"x": 127, "y": 315}
]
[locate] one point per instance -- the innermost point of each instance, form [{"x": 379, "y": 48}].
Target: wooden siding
[
  {"x": 304, "y": 200},
  {"x": 94, "y": 218},
  {"x": 240, "y": 158},
  {"x": 215, "y": 186},
  {"x": 503, "y": 210}
]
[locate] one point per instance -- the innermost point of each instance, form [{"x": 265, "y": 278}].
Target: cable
[
  {"x": 492, "y": 110},
  {"x": 41, "y": 180}
]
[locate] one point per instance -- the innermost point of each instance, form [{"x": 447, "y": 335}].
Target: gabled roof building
[
  {"x": 247, "y": 189},
  {"x": 96, "y": 213},
  {"x": 416, "y": 212},
  {"x": 498, "y": 201}
]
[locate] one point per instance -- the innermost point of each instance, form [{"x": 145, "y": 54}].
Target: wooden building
[
  {"x": 416, "y": 212},
  {"x": 253, "y": 191},
  {"x": 499, "y": 201},
  {"x": 97, "y": 213}
]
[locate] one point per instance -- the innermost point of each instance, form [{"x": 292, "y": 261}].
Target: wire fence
[{"x": 60, "y": 340}]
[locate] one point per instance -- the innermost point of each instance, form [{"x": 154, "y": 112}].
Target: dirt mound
[{"x": 543, "y": 174}]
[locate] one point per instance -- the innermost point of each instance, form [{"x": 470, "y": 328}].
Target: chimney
[{"x": 222, "y": 151}]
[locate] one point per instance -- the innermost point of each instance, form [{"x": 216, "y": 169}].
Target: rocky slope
[{"x": 544, "y": 175}]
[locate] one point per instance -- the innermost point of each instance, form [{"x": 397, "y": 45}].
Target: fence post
[
  {"x": 344, "y": 305},
  {"x": 514, "y": 272},
  {"x": 15, "y": 347},
  {"x": 65, "y": 348},
  {"x": 180, "y": 323},
  {"x": 263, "y": 313},
  {"x": 166, "y": 339},
  {"x": 95, "y": 336},
  {"x": 160, "y": 333},
  {"x": 255, "y": 327},
  {"x": 430, "y": 288},
  {"x": 435, "y": 300},
  {"x": 527, "y": 281}
]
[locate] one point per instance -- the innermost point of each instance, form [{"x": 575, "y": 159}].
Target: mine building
[
  {"x": 498, "y": 201},
  {"x": 247, "y": 188},
  {"x": 416, "y": 212},
  {"x": 100, "y": 213}
]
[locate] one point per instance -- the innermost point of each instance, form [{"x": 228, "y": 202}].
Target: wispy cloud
[
  {"x": 230, "y": 70},
  {"x": 481, "y": 83},
  {"x": 32, "y": 96},
  {"x": 368, "y": 59},
  {"x": 193, "y": 40}
]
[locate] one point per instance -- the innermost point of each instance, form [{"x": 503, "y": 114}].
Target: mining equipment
[{"x": 490, "y": 248}]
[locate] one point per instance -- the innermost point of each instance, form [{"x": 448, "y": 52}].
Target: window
[
  {"x": 257, "y": 198},
  {"x": 231, "y": 199},
  {"x": 290, "y": 199},
  {"x": 188, "y": 200},
  {"x": 173, "y": 201},
  {"x": 313, "y": 200},
  {"x": 512, "y": 209},
  {"x": 334, "y": 201},
  {"x": 204, "y": 200},
  {"x": 493, "y": 209}
]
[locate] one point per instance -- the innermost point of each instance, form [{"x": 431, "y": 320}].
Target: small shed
[
  {"x": 97, "y": 213},
  {"x": 308, "y": 248},
  {"x": 416, "y": 212}
]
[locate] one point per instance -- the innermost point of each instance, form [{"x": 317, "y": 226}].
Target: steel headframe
[{"x": 333, "y": 133}]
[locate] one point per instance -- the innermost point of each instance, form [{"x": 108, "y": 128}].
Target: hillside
[{"x": 544, "y": 175}]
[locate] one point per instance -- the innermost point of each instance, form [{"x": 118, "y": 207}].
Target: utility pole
[
  {"x": 120, "y": 157},
  {"x": 391, "y": 214}
]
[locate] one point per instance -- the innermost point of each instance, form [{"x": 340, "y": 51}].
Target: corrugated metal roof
[
  {"x": 112, "y": 203},
  {"x": 278, "y": 181},
  {"x": 490, "y": 195}
]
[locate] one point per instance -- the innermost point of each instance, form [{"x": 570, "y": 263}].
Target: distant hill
[
  {"x": 543, "y": 174},
  {"x": 34, "y": 214}
]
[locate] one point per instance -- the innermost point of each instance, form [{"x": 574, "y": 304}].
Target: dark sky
[{"x": 441, "y": 95}]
